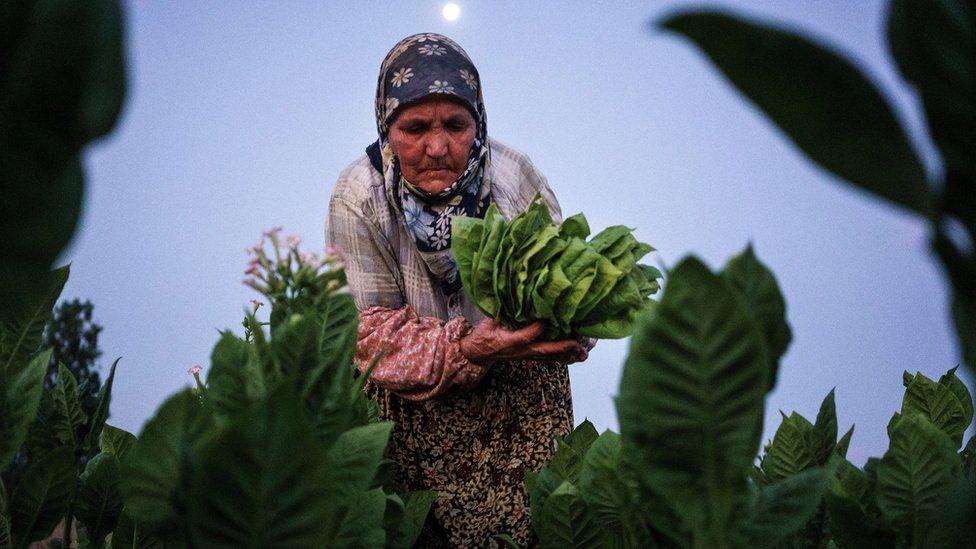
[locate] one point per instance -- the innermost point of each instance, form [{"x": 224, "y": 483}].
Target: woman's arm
[{"x": 420, "y": 357}]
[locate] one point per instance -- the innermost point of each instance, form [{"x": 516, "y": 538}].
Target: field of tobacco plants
[{"x": 279, "y": 447}]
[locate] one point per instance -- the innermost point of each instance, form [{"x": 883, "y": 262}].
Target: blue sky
[{"x": 241, "y": 115}]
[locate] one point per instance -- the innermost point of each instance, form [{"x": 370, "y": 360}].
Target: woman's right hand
[{"x": 491, "y": 342}]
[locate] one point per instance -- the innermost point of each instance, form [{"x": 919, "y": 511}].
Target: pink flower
[
  {"x": 272, "y": 231},
  {"x": 292, "y": 241},
  {"x": 257, "y": 304},
  {"x": 251, "y": 270},
  {"x": 195, "y": 370}
]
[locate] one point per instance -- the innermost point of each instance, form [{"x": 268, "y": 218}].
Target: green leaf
[
  {"x": 42, "y": 497},
  {"x": 416, "y": 507},
  {"x": 234, "y": 378},
  {"x": 20, "y": 395},
  {"x": 844, "y": 442},
  {"x": 854, "y": 518},
  {"x": 155, "y": 472},
  {"x": 20, "y": 336},
  {"x": 938, "y": 403},
  {"x": 958, "y": 388},
  {"x": 825, "y": 429},
  {"x": 765, "y": 303},
  {"x": 794, "y": 449},
  {"x": 691, "y": 398},
  {"x": 355, "y": 457},
  {"x": 582, "y": 437},
  {"x": 116, "y": 441},
  {"x": 362, "y": 523},
  {"x": 566, "y": 462},
  {"x": 915, "y": 473},
  {"x": 540, "y": 486},
  {"x": 565, "y": 521},
  {"x": 329, "y": 387},
  {"x": 260, "y": 481},
  {"x": 68, "y": 416},
  {"x": 100, "y": 415},
  {"x": 968, "y": 456},
  {"x": 782, "y": 509},
  {"x": 507, "y": 540},
  {"x": 601, "y": 485},
  {"x": 934, "y": 44},
  {"x": 820, "y": 100},
  {"x": 98, "y": 504},
  {"x": 128, "y": 535}
]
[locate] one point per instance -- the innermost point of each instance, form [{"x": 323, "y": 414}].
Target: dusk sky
[{"x": 240, "y": 116}]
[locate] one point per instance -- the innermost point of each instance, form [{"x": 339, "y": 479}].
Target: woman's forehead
[{"x": 439, "y": 106}]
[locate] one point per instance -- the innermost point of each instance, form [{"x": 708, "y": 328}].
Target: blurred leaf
[
  {"x": 507, "y": 541},
  {"x": 355, "y": 457},
  {"x": 565, "y": 522},
  {"x": 691, "y": 398},
  {"x": 914, "y": 474},
  {"x": 416, "y": 507},
  {"x": 154, "y": 472},
  {"x": 232, "y": 379},
  {"x": 20, "y": 395},
  {"x": 968, "y": 456},
  {"x": 782, "y": 509},
  {"x": 21, "y": 335},
  {"x": 101, "y": 411},
  {"x": 826, "y": 428},
  {"x": 854, "y": 516},
  {"x": 820, "y": 100},
  {"x": 116, "y": 441},
  {"x": 43, "y": 495},
  {"x": 765, "y": 303},
  {"x": 294, "y": 346},
  {"x": 128, "y": 535},
  {"x": 98, "y": 503},
  {"x": 261, "y": 481},
  {"x": 934, "y": 44},
  {"x": 61, "y": 85},
  {"x": 955, "y": 521},
  {"x": 362, "y": 525}
]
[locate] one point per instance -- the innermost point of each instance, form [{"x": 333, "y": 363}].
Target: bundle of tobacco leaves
[{"x": 532, "y": 269}]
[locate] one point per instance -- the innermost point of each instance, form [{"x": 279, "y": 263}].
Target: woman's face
[{"x": 432, "y": 138}]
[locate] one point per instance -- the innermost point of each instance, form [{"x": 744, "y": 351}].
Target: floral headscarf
[{"x": 419, "y": 66}]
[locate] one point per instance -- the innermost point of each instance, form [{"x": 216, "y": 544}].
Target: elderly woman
[{"x": 475, "y": 405}]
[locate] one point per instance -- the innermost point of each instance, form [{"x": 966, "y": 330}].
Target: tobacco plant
[{"x": 683, "y": 472}]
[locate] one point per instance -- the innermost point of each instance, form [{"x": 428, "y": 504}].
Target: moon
[{"x": 451, "y": 11}]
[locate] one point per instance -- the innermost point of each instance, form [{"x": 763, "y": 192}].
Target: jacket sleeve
[{"x": 420, "y": 357}]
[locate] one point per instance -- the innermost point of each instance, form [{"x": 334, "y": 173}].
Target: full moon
[{"x": 451, "y": 11}]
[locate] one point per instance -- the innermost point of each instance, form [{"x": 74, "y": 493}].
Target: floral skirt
[{"x": 473, "y": 448}]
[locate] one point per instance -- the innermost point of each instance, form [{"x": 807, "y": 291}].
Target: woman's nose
[{"x": 437, "y": 144}]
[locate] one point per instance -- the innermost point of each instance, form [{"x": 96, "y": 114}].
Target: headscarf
[{"x": 419, "y": 66}]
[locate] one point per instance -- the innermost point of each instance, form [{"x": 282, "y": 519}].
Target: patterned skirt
[{"x": 473, "y": 448}]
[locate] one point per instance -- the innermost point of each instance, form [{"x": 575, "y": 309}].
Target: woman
[{"x": 475, "y": 405}]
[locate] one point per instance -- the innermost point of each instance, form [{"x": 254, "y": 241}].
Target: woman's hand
[{"x": 490, "y": 342}]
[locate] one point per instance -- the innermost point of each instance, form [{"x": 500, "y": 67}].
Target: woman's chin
[{"x": 433, "y": 185}]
